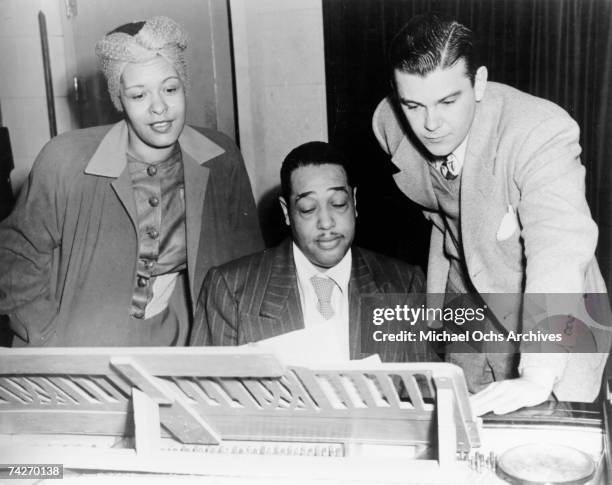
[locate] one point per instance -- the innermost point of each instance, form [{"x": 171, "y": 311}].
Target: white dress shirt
[
  {"x": 339, "y": 274},
  {"x": 332, "y": 334},
  {"x": 320, "y": 342}
]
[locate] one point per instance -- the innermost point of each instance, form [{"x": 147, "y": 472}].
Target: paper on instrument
[
  {"x": 316, "y": 348},
  {"x": 312, "y": 347}
]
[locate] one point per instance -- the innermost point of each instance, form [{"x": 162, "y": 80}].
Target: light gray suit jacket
[{"x": 522, "y": 153}]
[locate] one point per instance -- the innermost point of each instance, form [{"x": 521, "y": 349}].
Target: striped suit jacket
[{"x": 257, "y": 297}]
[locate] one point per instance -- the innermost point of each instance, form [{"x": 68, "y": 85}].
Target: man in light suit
[
  {"x": 276, "y": 295},
  {"x": 498, "y": 173}
]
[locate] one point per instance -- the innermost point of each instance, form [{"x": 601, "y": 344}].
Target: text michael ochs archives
[{"x": 404, "y": 323}]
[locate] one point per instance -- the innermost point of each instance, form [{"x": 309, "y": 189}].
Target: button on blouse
[{"x": 159, "y": 196}]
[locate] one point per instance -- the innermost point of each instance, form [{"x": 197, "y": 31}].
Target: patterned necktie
[
  {"x": 323, "y": 288},
  {"x": 448, "y": 168}
]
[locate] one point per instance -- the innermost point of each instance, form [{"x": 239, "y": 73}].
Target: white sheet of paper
[{"x": 312, "y": 347}]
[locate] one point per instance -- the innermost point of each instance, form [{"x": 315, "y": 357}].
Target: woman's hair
[{"x": 141, "y": 42}]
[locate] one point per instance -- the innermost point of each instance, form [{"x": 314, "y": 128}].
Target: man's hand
[{"x": 532, "y": 388}]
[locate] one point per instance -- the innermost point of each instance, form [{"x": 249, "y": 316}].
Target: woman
[{"x": 117, "y": 225}]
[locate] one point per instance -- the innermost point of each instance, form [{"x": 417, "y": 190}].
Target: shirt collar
[
  {"x": 459, "y": 152},
  {"x": 339, "y": 274},
  {"x": 109, "y": 159}
]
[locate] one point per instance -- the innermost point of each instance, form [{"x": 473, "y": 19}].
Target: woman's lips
[
  {"x": 436, "y": 139},
  {"x": 161, "y": 126}
]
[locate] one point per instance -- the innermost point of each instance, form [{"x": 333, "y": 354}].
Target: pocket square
[{"x": 509, "y": 224}]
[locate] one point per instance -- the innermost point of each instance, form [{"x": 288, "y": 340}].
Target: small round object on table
[{"x": 545, "y": 464}]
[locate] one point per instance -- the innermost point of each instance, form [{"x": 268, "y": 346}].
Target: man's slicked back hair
[
  {"x": 428, "y": 42},
  {"x": 311, "y": 153}
]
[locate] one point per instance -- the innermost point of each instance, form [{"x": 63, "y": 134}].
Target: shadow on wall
[
  {"x": 91, "y": 105},
  {"x": 6, "y": 205},
  {"x": 6, "y": 336},
  {"x": 271, "y": 219},
  {"x": 6, "y": 165}
]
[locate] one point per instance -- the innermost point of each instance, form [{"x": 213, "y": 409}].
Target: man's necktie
[
  {"x": 448, "y": 168},
  {"x": 323, "y": 288}
]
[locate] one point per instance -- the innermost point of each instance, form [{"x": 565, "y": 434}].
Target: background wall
[
  {"x": 280, "y": 87},
  {"x": 22, "y": 87}
]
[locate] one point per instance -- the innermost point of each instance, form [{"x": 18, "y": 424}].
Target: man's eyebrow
[
  {"x": 409, "y": 101},
  {"x": 303, "y": 194},
  {"x": 339, "y": 188},
  {"x": 451, "y": 95},
  {"x": 441, "y": 100}
]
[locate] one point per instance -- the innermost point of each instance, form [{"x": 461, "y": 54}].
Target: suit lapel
[
  {"x": 196, "y": 179},
  {"x": 478, "y": 177},
  {"x": 122, "y": 186},
  {"x": 361, "y": 283},
  {"x": 413, "y": 178},
  {"x": 109, "y": 160},
  {"x": 281, "y": 300},
  {"x": 196, "y": 150}
]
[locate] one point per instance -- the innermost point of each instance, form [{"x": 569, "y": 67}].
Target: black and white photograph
[{"x": 306, "y": 241}]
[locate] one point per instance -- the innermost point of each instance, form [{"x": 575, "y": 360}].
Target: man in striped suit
[{"x": 302, "y": 298}]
